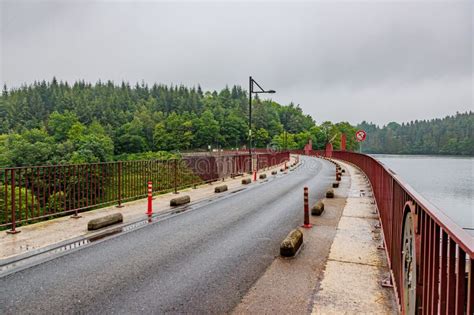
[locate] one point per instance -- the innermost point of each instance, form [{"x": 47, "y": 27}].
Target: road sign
[{"x": 360, "y": 135}]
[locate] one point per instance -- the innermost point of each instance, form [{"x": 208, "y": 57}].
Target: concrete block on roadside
[
  {"x": 318, "y": 208},
  {"x": 246, "y": 181},
  {"x": 107, "y": 220},
  {"x": 335, "y": 185},
  {"x": 274, "y": 172},
  {"x": 330, "y": 193},
  {"x": 291, "y": 243},
  {"x": 262, "y": 176},
  {"x": 220, "y": 189},
  {"x": 282, "y": 170},
  {"x": 180, "y": 201}
]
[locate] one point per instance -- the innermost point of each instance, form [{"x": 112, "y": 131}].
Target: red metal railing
[
  {"x": 444, "y": 251},
  {"x": 29, "y": 194}
]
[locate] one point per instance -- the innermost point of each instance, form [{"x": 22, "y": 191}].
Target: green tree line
[
  {"x": 56, "y": 122},
  {"x": 451, "y": 135}
]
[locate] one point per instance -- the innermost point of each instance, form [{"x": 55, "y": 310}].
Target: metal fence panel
[{"x": 29, "y": 194}]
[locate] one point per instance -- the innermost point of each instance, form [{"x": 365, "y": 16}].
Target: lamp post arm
[{"x": 261, "y": 89}]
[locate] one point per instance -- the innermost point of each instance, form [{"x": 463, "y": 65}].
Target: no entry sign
[{"x": 360, "y": 135}]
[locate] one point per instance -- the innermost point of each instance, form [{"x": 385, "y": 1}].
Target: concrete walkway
[
  {"x": 41, "y": 235},
  {"x": 355, "y": 268}
]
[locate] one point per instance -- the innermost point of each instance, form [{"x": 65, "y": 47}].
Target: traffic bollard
[
  {"x": 306, "y": 224},
  {"x": 150, "y": 198}
]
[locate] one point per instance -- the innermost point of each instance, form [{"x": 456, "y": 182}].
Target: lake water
[{"x": 447, "y": 182}]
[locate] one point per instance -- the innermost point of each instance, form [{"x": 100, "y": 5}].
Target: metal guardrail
[
  {"x": 431, "y": 258},
  {"x": 30, "y": 194}
]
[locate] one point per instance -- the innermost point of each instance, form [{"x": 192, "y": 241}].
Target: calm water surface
[{"x": 447, "y": 182}]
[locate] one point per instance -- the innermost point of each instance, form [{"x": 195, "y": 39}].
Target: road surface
[{"x": 199, "y": 261}]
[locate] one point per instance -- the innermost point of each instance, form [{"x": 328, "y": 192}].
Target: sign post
[{"x": 360, "y": 137}]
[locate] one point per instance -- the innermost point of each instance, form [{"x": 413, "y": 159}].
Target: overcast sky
[{"x": 340, "y": 60}]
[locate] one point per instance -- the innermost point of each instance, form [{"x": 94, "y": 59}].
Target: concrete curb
[
  {"x": 246, "y": 181},
  {"x": 318, "y": 208},
  {"x": 330, "y": 193},
  {"x": 291, "y": 243},
  {"x": 180, "y": 201},
  {"x": 220, "y": 189},
  {"x": 107, "y": 220}
]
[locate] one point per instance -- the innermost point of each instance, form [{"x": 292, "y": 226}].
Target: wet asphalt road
[{"x": 200, "y": 261}]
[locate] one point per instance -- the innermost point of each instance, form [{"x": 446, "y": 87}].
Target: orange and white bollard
[
  {"x": 254, "y": 176},
  {"x": 150, "y": 198},
  {"x": 306, "y": 224}
]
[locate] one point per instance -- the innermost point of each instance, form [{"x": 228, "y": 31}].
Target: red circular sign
[{"x": 360, "y": 135}]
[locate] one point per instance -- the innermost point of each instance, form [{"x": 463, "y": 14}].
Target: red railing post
[
  {"x": 435, "y": 271},
  {"x": 13, "y": 202},
  {"x": 306, "y": 224},
  {"x": 470, "y": 288},
  {"x": 444, "y": 272},
  {"x": 451, "y": 274},
  {"x": 175, "y": 175},
  {"x": 119, "y": 188},
  {"x": 460, "y": 283}
]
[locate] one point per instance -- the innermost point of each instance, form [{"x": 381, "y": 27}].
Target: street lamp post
[{"x": 260, "y": 91}]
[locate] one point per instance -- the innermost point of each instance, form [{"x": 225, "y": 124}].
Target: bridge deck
[{"x": 346, "y": 275}]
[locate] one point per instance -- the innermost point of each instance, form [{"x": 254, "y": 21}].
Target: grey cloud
[{"x": 342, "y": 60}]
